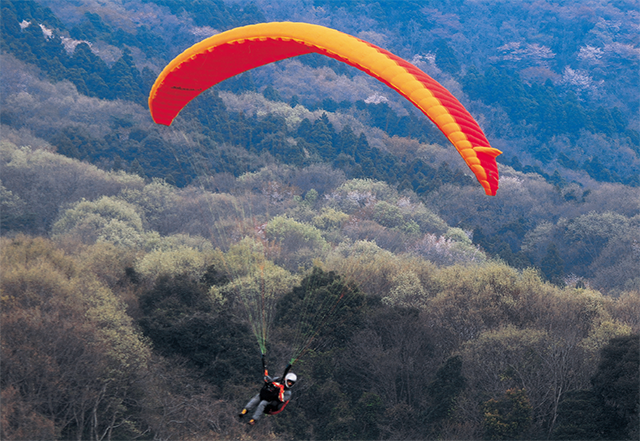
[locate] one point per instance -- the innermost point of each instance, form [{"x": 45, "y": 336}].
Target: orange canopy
[{"x": 238, "y": 50}]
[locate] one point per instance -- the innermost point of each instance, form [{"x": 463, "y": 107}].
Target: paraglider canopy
[{"x": 238, "y": 50}]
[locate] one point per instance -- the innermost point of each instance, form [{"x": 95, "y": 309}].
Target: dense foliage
[
  {"x": 128, "y": 250},
  {"x": 436, "y": 340}
]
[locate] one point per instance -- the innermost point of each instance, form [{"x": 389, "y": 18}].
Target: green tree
[
  {"x": 321, "y": 136},
  {"x": 552, "y": 266},
  {"x": 12, "y": 211},
  {"x": 387, "y": 215},
  {"x": 445, "y": 389},
  {"x": 108, "y": 219},
  {"x": 508, "y": 417},
  {"x": 298, "y": 243},
  {"x": 616, "y": 388},
  {"x": 323, "y": 309},
  {"x": 94, "y": 70},
  {"x": 183, "y": 320},
  {"x": 73, "y": 364},
  {"x": 578, "y": 417},
  {"x": 446, "y": 58},
  {"x": 125, "y": 80},
  {"x": 271, "y": 94}
]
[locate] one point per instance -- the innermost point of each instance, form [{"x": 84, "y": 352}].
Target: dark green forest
[{"x": 142, "y": 264}]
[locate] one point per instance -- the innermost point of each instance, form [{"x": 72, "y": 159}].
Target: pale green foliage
[
  {"x": 375, "y": 270},
  {"x": 181, "y": 260},
  {"x": 602, "y": 333},
  {"x": 120, "y": 233},
  {"x": 115, "y": 330},
  {"x": 12, "y": 207},
  {"x": 108, "y": 262},
  {"x": 299, "y": 243},
  {"x": 84, "y": 352},
  {"x": 360, "y": 193},
  {"x": 107, "y": 219},
  {"x": 156, "y": 200},
  {"x": 369, "y": 199},
  {"x": 330, "y": 219},
  {"x": 458, "y": 235},
  {"x": 407, "y": 291},
  {"x": 311, "y": 197},
  {"x": 363, "y": 251},
  {"x": 244, "y": 257},
  {"x": 177, "y": 241},
  {"x": 455, "y": 249},
  {"x": 364, "y": 262},
  {"x": 45, "y": 182},
  {"x": 467, "y": 253},
  {"x": 469, "y": 301},
  {"x": 427, "y": 220},
  {"x": 266, "y": 281},
  {"x": 508, "y": 355},
  {"x": 256, "y": 284},
  {"x": 387, "y": 215},
  {"x": 597, "y": 323},
  {"x": 411, "y": 228},
  {"x": 627, "y": 309}
]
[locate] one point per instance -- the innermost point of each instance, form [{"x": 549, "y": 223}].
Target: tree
[
  {"x": 45, "y": 182},
  {"x": 616, "y": 389},
  {"x": 95, "y": 70},
  {"x": 107, "y": 219},
  {"x": 271, "y": 94},
  {"x": 552, "y": 266},
  {"x": 387, "y": 215},
  {"x": 12, "y": 211},
  {"x": 73, "y": 364},
  {"x": 322, "y": 309},
  {"x": 578, "y": 417},
  {"x": 158, "y": 203},
  {"x": 508, "y": 417},
  {"x": 446, "y": 58},
  {"x": 298, "y": 243},
  {"x": 125, "y": 81},
  {"x": 445, "y": 389},
  {"x": 183, "y": 320}
]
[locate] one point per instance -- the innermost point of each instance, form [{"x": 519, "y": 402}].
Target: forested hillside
[{"x": 140, "y": 263}]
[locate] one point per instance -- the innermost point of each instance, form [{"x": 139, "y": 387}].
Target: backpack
[{"x": 270, "y": 392}]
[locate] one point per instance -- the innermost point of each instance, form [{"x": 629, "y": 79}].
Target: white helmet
[{"x": 290, "y": 380}]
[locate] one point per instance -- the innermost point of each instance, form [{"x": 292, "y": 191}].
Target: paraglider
[
  {"x": 235, "y": 51},
  {"x": 274, "y": 395}
]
